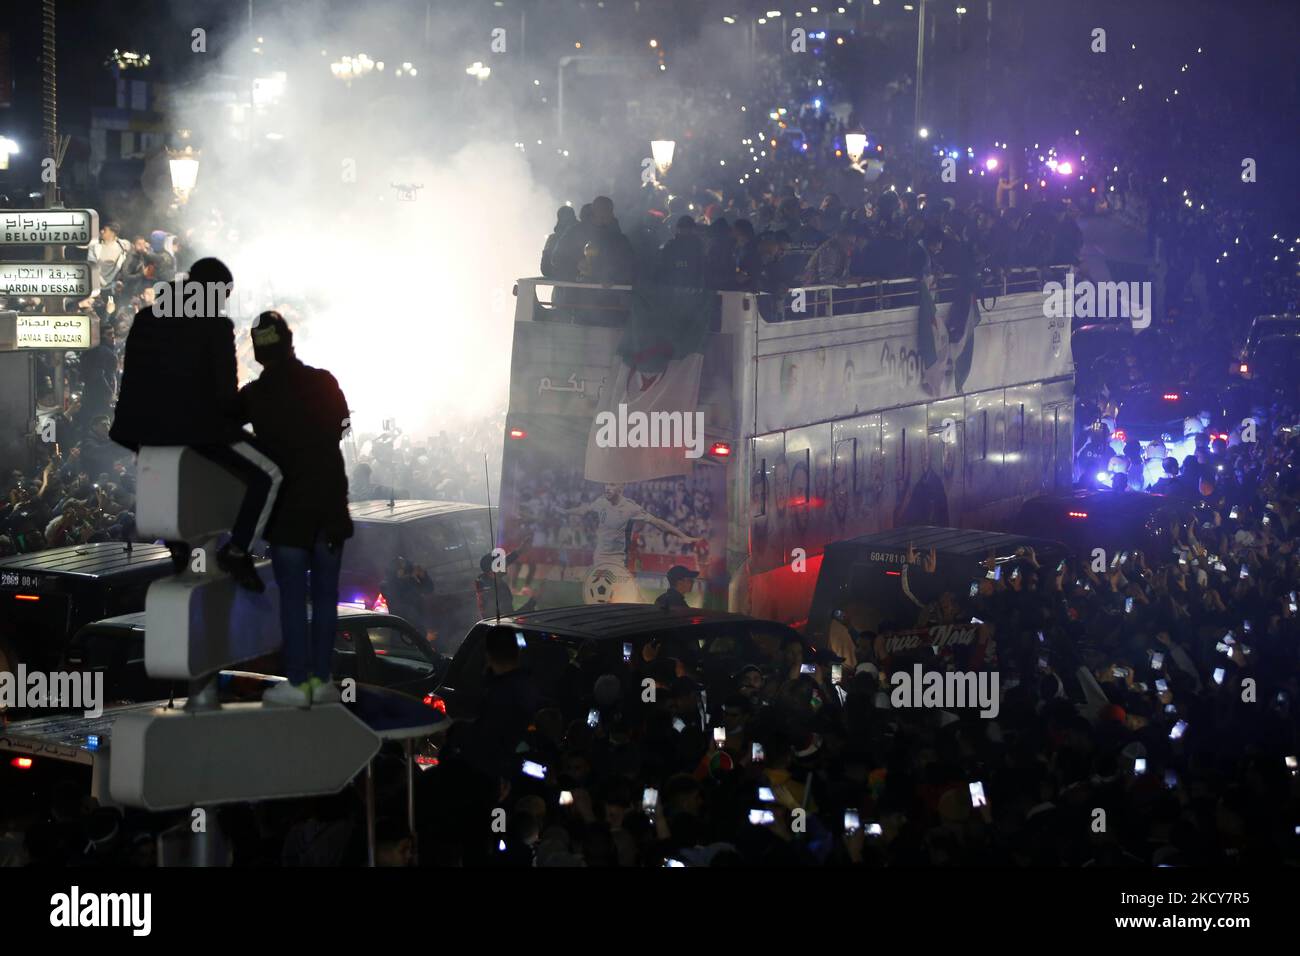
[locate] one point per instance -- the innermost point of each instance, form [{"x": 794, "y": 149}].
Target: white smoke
[{"x": 407, "y": 301}]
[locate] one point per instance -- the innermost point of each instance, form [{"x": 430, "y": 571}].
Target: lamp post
[
  {"x": 183, "y": 163},
  {"x": 855, "y": 144},
  {"x": 662, "y": 151}
]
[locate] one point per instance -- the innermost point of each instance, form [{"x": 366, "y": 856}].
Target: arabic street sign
[
  {"x": 48, "y": 227},
  {"x": 166, "y": 759},
  {"x": 20, "y": 331},
  {"x": 45, "y": 278}
]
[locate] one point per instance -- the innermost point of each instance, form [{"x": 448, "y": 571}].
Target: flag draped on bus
[
  {"x": 946, "y": 345},
  {"x": 655, "y": 379}
]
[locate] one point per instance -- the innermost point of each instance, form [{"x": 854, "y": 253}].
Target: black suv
[{"x": 606, "y": 638}]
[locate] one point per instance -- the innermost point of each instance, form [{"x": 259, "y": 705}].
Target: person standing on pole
[{"x": 300, "y": 415}]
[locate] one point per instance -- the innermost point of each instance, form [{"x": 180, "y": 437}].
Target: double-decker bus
[{"x": 825, "y": 413}]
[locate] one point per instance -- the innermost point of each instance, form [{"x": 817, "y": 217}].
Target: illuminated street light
[
  {"x": 184, "y": 166},
  {"x": 7, "y": 148},
  {"x": 855, "y": 144},
  {"x": 662, "y": 151}
]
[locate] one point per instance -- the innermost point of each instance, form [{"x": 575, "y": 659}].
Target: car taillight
[
  {"x": 27, "y": 597},
  {"x": 518, "y": 433},
  {"x": 720, "y": 449},
  {"x": 436, "y": 702},
  {"x": 22, "y": 763},
  {"x": 1077, "y": 514},
  {"x": 1171, "y": 396}
]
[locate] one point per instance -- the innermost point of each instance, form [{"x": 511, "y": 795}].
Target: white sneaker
[
  {"x": 325, "y": 692},
  {"x": 285, "y": 694}
]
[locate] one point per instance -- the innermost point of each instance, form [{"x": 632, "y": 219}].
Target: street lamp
[
  {"x": 855, "y": 144},
  {"x": 184, "y": 165},
  {"x": 662, "y": 151},
  {"x": 7, "y": 148}
]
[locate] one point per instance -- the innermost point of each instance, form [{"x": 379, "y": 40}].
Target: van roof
[
  {"x": 617, "y": 620},
  {"x": 97, "y": 560},
  {"x": 378, "y": 510},
  {"x": 946, "y": 540}
]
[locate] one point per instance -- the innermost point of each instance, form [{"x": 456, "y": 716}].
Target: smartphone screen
[
  {"x": 673, "y": 864},
  {"x": 766, "y": 795},
  {"x": 1139, "y": 765},
  {"x": 837, "y": 673},
  {"x": 627, "y": 652},
  {"x": 1292, "y": 765},
  {"x": 1218, "y": 675},
  {"x": 977, "y": 798},
  {"x": 1119, "y": 673},
  {"x": 534, "y": 770},
  {"x": 1128, "y": 605},
  {"x": 875, "y": 830},
  {"x": 1178, "y": 729},
  {"x": 762, "y": 818},
  {"x": 566, "y": 798},
  {"x": 1171, "y": 779},
  {"x": 808, "y": 669},
  {"x": 719, "y": 735},
  {"x": 851, "y": 822},
  {"x": 649, "y": 799},
  {"x": 1162, "y": 686},
  {"x": 678, "y": 724},
  {"x": 593, "y": 718},
  {"x": 519, "y": 640},
  {"x": 1041, "y": 639},
  {"x": 1244, "y": 572},
  {"x": 1157, "y": 661},
  {"x": 975, "y": 589},
  {"x": 997, "y": 573},
  {"x": 756, "y": 752}
]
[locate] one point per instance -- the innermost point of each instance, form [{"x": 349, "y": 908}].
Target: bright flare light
[
  {"x": 855, "y": 144},
  {"x": 662, "y": 150}
]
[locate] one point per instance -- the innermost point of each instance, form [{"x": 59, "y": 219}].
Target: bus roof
[
  {"x": 405, "y": 509},
  {"x": 96, "y": 560}
]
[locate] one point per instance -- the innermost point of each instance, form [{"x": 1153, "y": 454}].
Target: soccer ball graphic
[{"x": 610, "y": 584}]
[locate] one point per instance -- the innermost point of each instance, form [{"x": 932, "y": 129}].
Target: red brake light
[
  {"x": 27, "y": 597},
  {"x": 436, "y": 702},
  {"x": 1077, "y": 514},
  {"x": 1171, "y": 396},
  {"x": 720, "y": 449},
  {"x": 518, "y": 433},
  {"x": 22, "y": 763}
]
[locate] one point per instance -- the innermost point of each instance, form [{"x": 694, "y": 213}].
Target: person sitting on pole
[
  {"x": 300, "y": 415},
  {"x": 180, "y": 387}
]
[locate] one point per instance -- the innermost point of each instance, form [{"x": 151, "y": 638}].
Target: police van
[
  {"x": 47, "y": 596},
  {"x": 447, "y": 539}
]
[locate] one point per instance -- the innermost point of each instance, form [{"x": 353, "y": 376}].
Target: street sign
[
  {"x": 45, "y": 278},
  {"x": 48, "y": 227},
  {"x": 21, "y": 331},
  {"x": 166, "y": 759}
]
